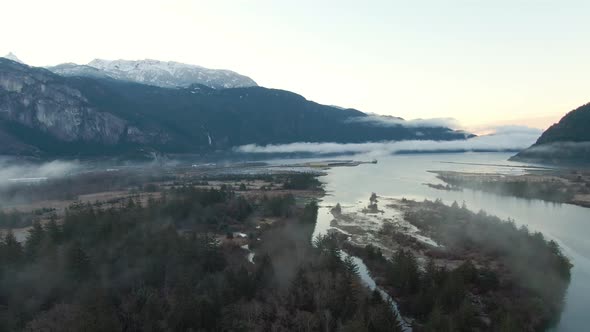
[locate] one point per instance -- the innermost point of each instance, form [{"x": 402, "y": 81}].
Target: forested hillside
[
  {"x": 567, "y": 141},
  {"x": 158, "y": 267}
]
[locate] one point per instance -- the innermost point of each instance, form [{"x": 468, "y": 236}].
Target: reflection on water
[{"x": 405, "y": 175}]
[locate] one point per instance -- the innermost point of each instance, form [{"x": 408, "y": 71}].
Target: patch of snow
[
  {"x": 11, "y": 56},
  {"x": 170, "y": 74}
]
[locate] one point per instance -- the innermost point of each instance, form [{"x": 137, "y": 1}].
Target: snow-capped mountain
[
  {"x": 44, "y": 114},
  {"x": 11, "y": 56},
  {"x": 72, "y": 69},
  {"x": 159, "y": 73}
]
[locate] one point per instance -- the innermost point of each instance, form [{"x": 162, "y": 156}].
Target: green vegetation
[
  {"x": 302, "y": 181},
  {"x": 16, "y": 219},
  {"x": 439, "y": 299},
  {"x": 552, "y": 191},
  {"x": 508, "y": 275},
  {"x": 573, "y": 127},
  {"x": 157, "y": 267},
  {"x": 278, "y": 206}
]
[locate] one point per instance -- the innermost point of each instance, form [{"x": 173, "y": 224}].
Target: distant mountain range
[
  {"x": 100, "y": 109},
  {"x": 567, "y": 141},
  {"x": 159, "y": 73}
]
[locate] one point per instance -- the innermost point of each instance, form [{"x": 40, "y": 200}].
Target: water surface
[{"x": 404, "y": 176}]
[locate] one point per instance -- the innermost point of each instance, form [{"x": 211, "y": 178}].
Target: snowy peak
[
  {"x": 158, "y": 73},
  {"x": 11, "y": 56},
  {"x": 72, "y": 69},
  {"x": 170, "y": 74},
  {"x": 130, "y": 65}
]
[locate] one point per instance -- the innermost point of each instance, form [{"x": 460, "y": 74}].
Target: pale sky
[{"x": 482, "y": 62}]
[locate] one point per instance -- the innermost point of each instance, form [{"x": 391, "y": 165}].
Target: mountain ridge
[
  {"x": 49, "y": 114},
  {"x": 166, "y": 74},
  {"x": 567, "y": 141},
  {"x": 13, "y": 57}
]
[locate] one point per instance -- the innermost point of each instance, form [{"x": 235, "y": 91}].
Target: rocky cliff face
[{"x": 39, "y": 99}]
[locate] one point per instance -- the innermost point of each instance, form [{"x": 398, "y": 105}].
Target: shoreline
[
  {"x": 557, "y": 186},
  {"x": 394, "y": 233}
]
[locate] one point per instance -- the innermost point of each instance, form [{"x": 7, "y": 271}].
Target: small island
[{"x": 451, "y": 269}]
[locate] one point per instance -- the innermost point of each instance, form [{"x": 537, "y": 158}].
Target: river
[{"x": 404, "y": 176}]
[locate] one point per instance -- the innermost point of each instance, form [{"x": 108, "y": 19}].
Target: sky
[{"x": 483, "y": 63}]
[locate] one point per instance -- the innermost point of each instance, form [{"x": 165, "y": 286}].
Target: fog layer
[
  {"x": 511, "y": 138},
  {"x": 390, "y": 121},
  {"x": 14, "y": 170}
]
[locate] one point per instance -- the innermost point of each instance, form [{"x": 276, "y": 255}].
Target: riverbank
[
  {"x": 225, "y": 252},
  {"x": 558, "y": 186},
  {"x": 22, "y": 204},
  {"x": 480, "y": 276}
]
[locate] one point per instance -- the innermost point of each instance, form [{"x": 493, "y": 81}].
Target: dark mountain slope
[
  {"x": 573, "y": 127},
  {"x": 84, "y": 115},
  {"x": 567, "y": 141}
]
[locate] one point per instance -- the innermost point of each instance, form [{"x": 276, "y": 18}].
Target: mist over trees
[
  {"x": 159, "y": 267},
  {"x": 509, "y": 279}
]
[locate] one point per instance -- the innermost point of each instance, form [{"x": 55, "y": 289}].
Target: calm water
[{"x": 404, "y": 176}]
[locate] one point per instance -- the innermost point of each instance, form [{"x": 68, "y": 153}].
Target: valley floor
[{"x": 444, "y": 275}]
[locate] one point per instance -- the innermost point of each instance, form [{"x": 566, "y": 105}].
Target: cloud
[
  {"x": 510, "y": 129},
  {"x": 14, "y": 169},
  {"x": 511, "y": 138},
  {"x": 559, "y": 150},
  {"x": 390, "y": 121}
]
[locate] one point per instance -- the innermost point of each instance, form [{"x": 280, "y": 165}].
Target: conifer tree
[
  {"x": 34, "y": 241},
  {"x": 11, "y": 251},
  {"x": 53, "y": 230},
  {"x": 78, "y": 262}
]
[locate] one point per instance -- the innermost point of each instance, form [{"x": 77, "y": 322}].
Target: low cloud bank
[
  {"x": 514, "y": 129},
  {"x": 390, "y": 121},
  {"x": 560, "y": 146},
  {"x": 513, "y": 138},
  {"x": 14, "y": 170},
  {"x": 559, "y": 152}
]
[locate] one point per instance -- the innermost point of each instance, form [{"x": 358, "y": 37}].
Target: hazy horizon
[{"x": 483, "y": 64}]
